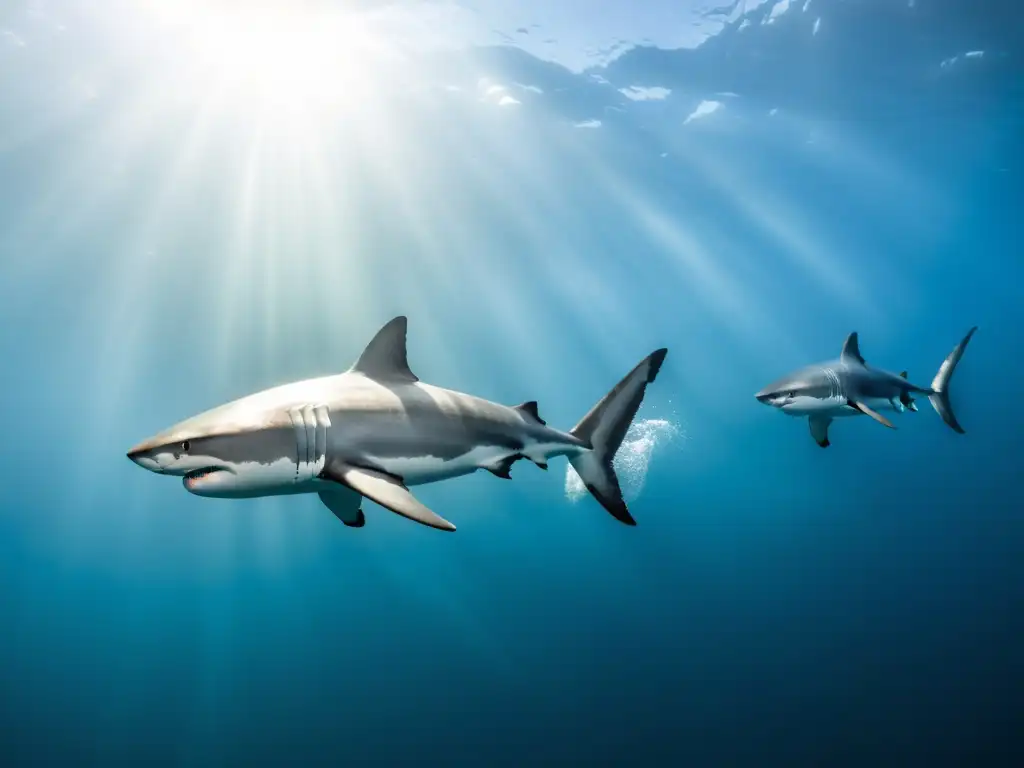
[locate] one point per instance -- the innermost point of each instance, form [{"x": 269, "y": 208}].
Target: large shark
[
  {"x": 376, "y": 429},
  {"x": 850, "y": 387}
]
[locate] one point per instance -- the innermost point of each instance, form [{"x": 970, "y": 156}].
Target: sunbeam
[{"x": 288, "y": 63}]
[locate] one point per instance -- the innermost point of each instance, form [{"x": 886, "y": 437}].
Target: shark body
[
  {"x": 376, "y": 429},
  {"x": 849, "y": 386}
]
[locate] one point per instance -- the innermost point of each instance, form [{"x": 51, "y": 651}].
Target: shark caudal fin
[
  {"x": 940, "y": 384},
  {"x": 604, "y": 427}
]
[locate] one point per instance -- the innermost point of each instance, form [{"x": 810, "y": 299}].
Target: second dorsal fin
[
  {"x": 529, "y": 409},
  {"x": 385, "y": 357}
]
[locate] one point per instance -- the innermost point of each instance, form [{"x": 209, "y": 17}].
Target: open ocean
[{"x": 199, "y": 200}]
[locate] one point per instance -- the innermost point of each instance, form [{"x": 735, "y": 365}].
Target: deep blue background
[{"x": 776, "y": 605}]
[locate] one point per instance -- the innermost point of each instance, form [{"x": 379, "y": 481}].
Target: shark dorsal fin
[
  {"x": 851, "y": 350},
  {"x": 385, "y": 357},
  {"x": 529, "y": 409},
  {"x": 903, "y": 374}
]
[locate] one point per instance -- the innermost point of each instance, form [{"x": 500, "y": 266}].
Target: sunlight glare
[{"x": 281, "y": 60}]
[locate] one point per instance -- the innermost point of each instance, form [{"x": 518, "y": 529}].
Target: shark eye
[{"x": 185, "y": 446}]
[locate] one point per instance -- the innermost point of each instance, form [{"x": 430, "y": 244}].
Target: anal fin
[
  {"x": 870, "y": 412},
  {"x": 388, "y": 491}
]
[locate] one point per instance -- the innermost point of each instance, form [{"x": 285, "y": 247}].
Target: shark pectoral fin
[
  {"x": 873, "y": 414},
  {"x": 819, "y": 429},
  {"x": 388, "y": 491},
  {"x": 345, "y": 504}
]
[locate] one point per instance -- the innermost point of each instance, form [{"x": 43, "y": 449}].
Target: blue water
[{"x": 165, "y": 247}]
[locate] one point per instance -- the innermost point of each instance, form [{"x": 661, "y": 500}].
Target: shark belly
[
  {"x": 425, "y": 468},
  {"x": 816, "y": 406},
  {"x": 834, "y": 407}
]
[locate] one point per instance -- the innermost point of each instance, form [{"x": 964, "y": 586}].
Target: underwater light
[{"x": 281, "y": 58}]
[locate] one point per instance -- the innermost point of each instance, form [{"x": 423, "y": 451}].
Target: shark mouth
[{"x": 196, "y": 476}]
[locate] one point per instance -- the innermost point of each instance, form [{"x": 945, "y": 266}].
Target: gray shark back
[{"x": 381, "y": 421}]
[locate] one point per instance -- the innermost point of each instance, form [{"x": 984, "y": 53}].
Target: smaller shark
[{"x": 850, "y": 387}]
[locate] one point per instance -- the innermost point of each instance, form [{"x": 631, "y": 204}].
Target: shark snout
[
  {"x": 143, "y": 456},
  {"x": 765, "y": 396}
]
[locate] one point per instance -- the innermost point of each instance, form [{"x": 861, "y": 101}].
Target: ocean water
[{"x": 199, "y": 200}]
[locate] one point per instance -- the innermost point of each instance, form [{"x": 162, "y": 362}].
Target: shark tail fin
[
  {"x": 940, "y": 384},
  {"x": 604, "y": 428}
]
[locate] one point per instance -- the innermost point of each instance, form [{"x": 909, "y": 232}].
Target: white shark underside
[
  {"x": 850, "y": 387},
  {"x": 376, "y": 429}
]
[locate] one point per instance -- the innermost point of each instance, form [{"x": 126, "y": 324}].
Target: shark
[
  {"x": 376, "y": 430},
  {"x": 849, "y": 386}
]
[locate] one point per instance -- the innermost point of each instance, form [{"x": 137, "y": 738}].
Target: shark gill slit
[
  {"x": 309, "y": 419},
  {"x": 835, "y": 386},
  {"x": 318, "y": 440},
  {"x": 323, "y": 421},
  {"x": 300, "y": 440},
  {"x": 310, "y": 444}
]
